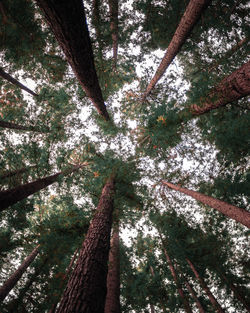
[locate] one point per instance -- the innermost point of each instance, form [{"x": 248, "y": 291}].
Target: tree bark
[
  {"x": 86, "y": 288},
  {"x": 14, "y": 278},
  {"x": 11, "y": 125},
  {"x": 197, "y": 301},
  {"x": 112, "y": 303},
  {"x": 186, "y": 25},
  {"x": 113, "y": 11},
  {"x": 238, "y": 214},
  {"x": 231, "y": 88},
  {"x": 211, "y": 297},
  {"x": 12, "y": 196},
  {"x": 68, "y": 23},
  {"x": 15, "y": 82}
]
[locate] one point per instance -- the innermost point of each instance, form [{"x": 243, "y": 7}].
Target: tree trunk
[
  {"x": 113, "y": 11},
  {"x": 112, "y": 304},
  {"x": 96, "y": 20},
  {"x": 86, "y": 288},
  {"x": 11, "y": 125},
  {"x": 197, "y": 301},
  {"x": 68, "y": 23},
  {"x": 211, "y": 297},
  {"x": 186, "y": 25},
  {"x": 9, "y": 174},
  {"x": 238, "y": 214},
  {"x": 16, "y": 82},
  {"x": 231, "y": 88},
  {"x": 12, "y": 196},
  {"x": 161, "y": 302},
  {"x": 152, "y": 309},
  {"x": 14, "y": 278}
]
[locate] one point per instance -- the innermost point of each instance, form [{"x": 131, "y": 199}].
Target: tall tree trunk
[
  {"x": 112, "y": 303},
  {"x": 231, "y": 88},
  {"x": 86, "y": 288},
  {"x": 238, "y": 214},
  {"x": 161, "y": 302},
  {"x": 11, "y": 125},
  {"x": 68, "y": 23},
  {"x": 152, "y": 309},
  {"x": 211, "y": 297},
  {"x": 96, "y": 20},
  {"x": 15, "y": 82},
  {"x": 12, "y": 196},
  {"x": 14, "y": 278},
  {"x": 113, "y": 11},
  {"x": 8, "y": 174},
  {"x": 197, "y": 301},
  {"x": 186, "y": 25}
]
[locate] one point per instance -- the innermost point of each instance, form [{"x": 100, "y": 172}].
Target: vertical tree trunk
[
  {"x": 152, "y": 309},
  {"x": 238, "y": 214},
  {"x": 211, "y": 297},
  {"x": 12, "y": 196},
  {"x": 197, "y": 301},
  {"x": 16, "y": 82},
  {"x": 11, "y": 125},
  {"x": 231, "y": 88},
  {"x": 112, "y": 303},
  {"x": 14, "y": 278},
  {"x": 162, "y": 305},
  {"x": 186, "y": 25},
  {"x": 96, "y": 20},
  {"x": 113, "y": 11},
  {"x": 86, "y": 288},
  {"x": 68, "y": 23}
]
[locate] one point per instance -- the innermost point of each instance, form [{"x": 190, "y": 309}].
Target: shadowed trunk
[
  {"x": 11, "y": 125},
  {"x": 68, "y": 23},
  {"x": 86, "y": 288},
  {"x": 231, "y": 88},
  {"x": 16, "y": 82},
  {"x": 14, "y": 278},
  {"x": 113, "y": 11},
  {"x": 9, "y": 174},
  {"x": 186, "y": 25},
  {"x": 161, "y": 302},
  {"x": 197, "y": 301},
  {"x": 211, "y": 297},
  {"x": 96, "y": 20},
  {"x": 238, "y": 214},
  {"x": 152, "y": 309}
]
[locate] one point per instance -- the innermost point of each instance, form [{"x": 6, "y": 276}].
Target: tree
[
  {"x": 113, "y": 9},
  {"x": 11, "y": 125}
]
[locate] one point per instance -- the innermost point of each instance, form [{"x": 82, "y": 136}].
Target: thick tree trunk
[
  {"x": 12, "y": 196},
  {"x": 231, "y": 88},
  {"x": 113, "y": 11},
  {"x": 16, "y": 82},
  {"x": 112, "y": 303},
  {"x": 211, "y": 297},
  {"x": 11, "y": 125},
  {"x": 14, "y": 278},
  {"x": 186, "y": 25},
  {"x": 197, "y": 301},
  {"x": 238, "y": 214},
  {"x": 68, "y": 23},
  {"x": 86, "y": 288}
]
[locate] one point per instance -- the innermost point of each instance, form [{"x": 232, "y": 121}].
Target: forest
[{"x": 124, "y": 156}]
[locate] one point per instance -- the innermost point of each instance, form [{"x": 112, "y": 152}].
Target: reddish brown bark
[
  {"x": 238, "y": 214},
  {"x": 16, "y": 82},
  {"x": 86, "y": 288},
  {"x": 68, "y": 23},
  {"x": 197, "y": 301},
  {"x": 112, "y": 303},
  {"x": 113, "y": 11},
  {"x": 21, "y": 127},
  {"x": 211, "y": 297},
  {"x": 231, "y": 88},
  {"x": 14, "y": 278},
  {"x": 186, "y": 25}
]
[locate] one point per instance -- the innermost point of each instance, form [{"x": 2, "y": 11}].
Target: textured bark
[
  {"x": 113, "y": 11},
  {"x": 12, "y": 196},
  {"x": 68, "y": 23},
  {"x": 112, "y": 303},
  {"x": 211, "y": 297},
  {"x": 238, "y": 214},
  {"x": 86, "y": 288},
  {"x": 16, "y": 82},
  {"x": 231, "y": 88},
  {"x": 186, "y": 25},
  {"x": 21, "y": 127},
  {"x": 197, "y": 301},
  {"x": 14, "y": 278}
]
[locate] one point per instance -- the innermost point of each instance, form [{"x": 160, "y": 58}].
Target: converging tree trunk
[
  {"x": 16, "y": 82},
  {"x": 8, "y": 174},
  {"x": 86, "y": 288},
  {"x": 14, "y": 278},
  {"x": 113, "y": 11},
  {"x": 186, "y": 25},
  {"x": 197, "y": 301},
  {"x": 231, "y": 88},
  {"x": 211, "y": 297},
  {"x": 238, "y": 214},
  {"x": 68, "y": 23},
  {"x": 11, "y": 125}
]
